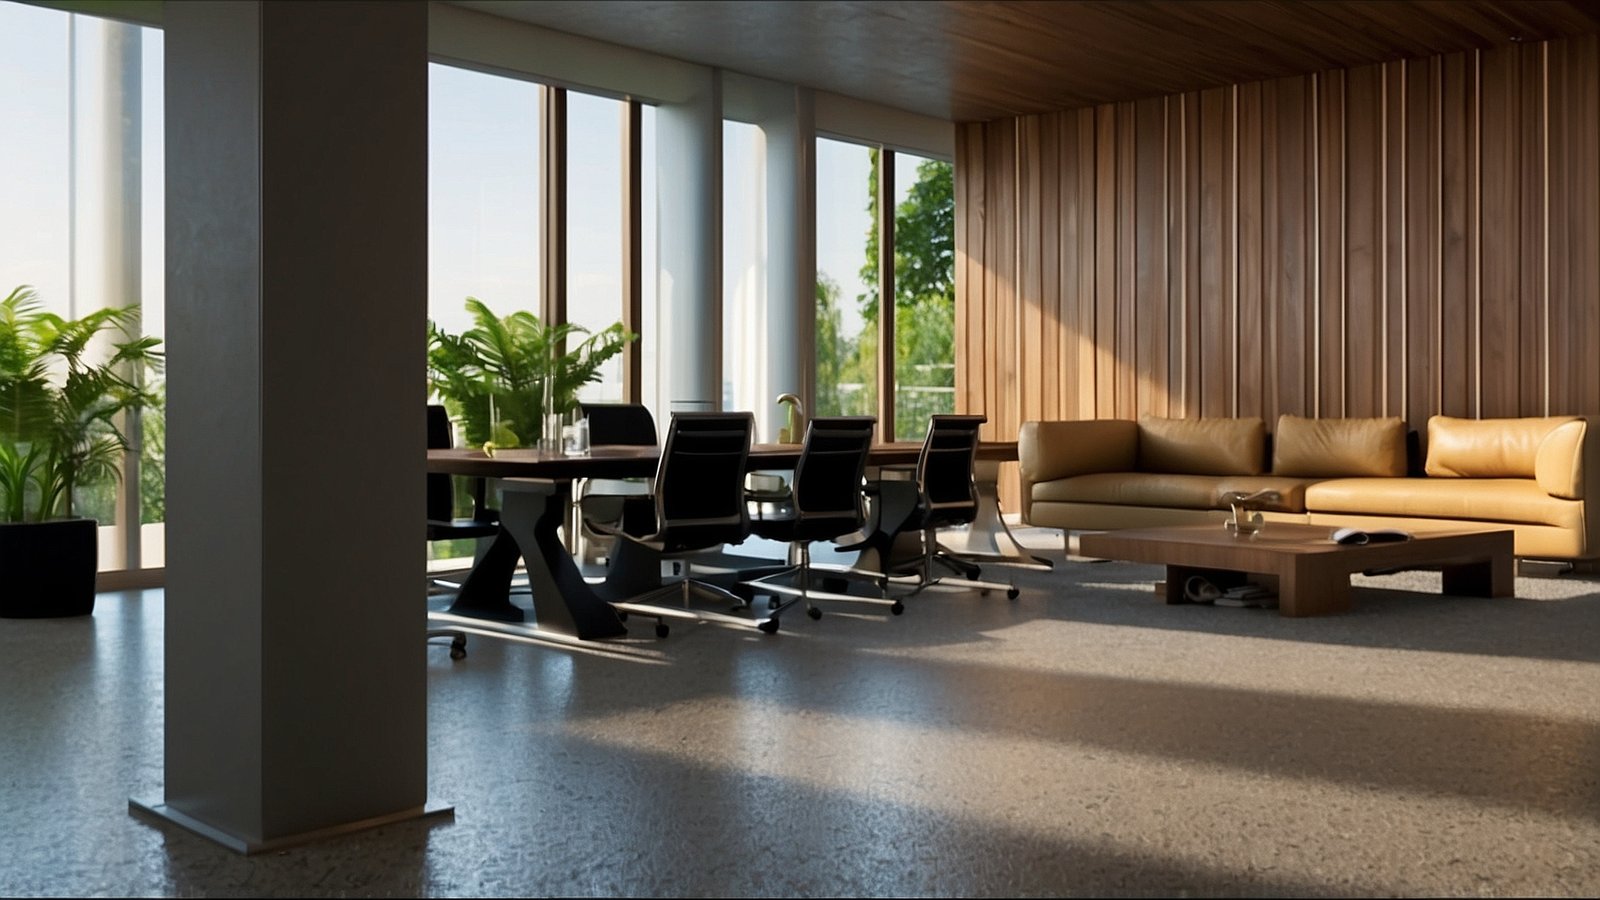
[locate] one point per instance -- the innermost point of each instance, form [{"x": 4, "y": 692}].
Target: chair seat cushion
[{"x": 791, "y": 528}]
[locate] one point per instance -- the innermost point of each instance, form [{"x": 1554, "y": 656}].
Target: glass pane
[
  {"x": 483, "y": 195},
  {"x": 649, "y": 353},
  {"x": 83, "y": 191},
  {"x": 847, "y": 288},
  {"x": 925, "y": 294},
  {"x": 744, "y": 277},
  {"x": 483, "y": 209},
  {"x": 152, "y": 307},
  {"x": 594, "y": 228}
]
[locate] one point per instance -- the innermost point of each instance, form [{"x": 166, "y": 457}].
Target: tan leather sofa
[{"x": 1526, "y": 474}]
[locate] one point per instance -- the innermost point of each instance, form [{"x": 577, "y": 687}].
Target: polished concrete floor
[{"x": 1084, "y": 739}]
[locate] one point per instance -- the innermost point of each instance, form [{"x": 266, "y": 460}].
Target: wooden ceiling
[{"x": 967, "y": 60}]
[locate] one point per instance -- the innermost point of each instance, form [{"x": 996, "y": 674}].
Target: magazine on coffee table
[{"x": 1369, "y": 536}]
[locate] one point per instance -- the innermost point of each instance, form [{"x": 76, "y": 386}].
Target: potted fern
[
  {"x": 59, "y": 430},
  {"x": 498, "y": 377}
]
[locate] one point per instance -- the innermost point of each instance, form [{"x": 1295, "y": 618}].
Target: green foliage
[
  {"x": 496, "y": 371},
  {"x": 153, "y": 458},
  {"x": 924, "y": 322},
  {"x": 59, "y": 414}
]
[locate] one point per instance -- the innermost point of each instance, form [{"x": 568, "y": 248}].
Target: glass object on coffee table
[{"x": 1246, "y": 519}]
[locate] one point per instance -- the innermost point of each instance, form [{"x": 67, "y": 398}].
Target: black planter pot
[{"x": 48, "y": 568}]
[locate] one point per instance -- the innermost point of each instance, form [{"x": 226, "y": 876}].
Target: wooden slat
[
  {"x": 1252, "y": 324},
  {"x": 1363, "y": 248},
  {"x": 1420, "y": 197},
  {"x": 1216, "y": 322},
  {"x": 1030, "y": 264},
  {"x": 1127, "y": 320},
  {"x": 1105, "y": 262},
  {"x": 1051, "y": 388},
  {"x": 1458, "y": 188},
  {"x": 1532, "y": 264},
  {"x": 1150, "y": 263},
  {"x": 1330, "y": 246},
  {"x": 1499, "y": 341}
]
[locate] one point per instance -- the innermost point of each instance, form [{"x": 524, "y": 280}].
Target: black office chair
[
  {"x": 697, "y": 504},
  {"x": 443, "y": 525},
  {"x": 824, "y": 504},
  {"x": 946, "y": 496},
  {"x": 601, "y": 499}
]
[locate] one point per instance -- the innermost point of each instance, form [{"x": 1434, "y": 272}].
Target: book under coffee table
[{"x": 1309, "y": 571}]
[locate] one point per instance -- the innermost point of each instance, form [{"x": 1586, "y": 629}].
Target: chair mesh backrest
[
  {"x": 944, "y": 470},
  {"x": 700, "y": 480},
  {"x": 833, "y": 462},
  {"x": 620, "y": 424}
]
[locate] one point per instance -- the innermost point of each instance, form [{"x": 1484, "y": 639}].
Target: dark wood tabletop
[{"x": 625, "y": 462}]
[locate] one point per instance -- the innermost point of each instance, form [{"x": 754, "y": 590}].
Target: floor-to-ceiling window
[
  {"x": 596, "y": 221},
  {"x": 82, "y": 186},
  {"x": 853, "y": 271},
  {"x": 484, "y": 213},
  {"x": 484, "y": 210}
]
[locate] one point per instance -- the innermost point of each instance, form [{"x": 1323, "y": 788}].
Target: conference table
[{"x": 535, "y": 491}]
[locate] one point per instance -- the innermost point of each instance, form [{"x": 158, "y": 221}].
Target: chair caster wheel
[
  {"x": 814, "y": 613},
  {"x": 662, "y": 630},
  {"x": 458, "y": 648},
  {"x": 897, "y": 608},
  {"x": 770, "y": 626},
  {"x": 1012, "y": 594}
]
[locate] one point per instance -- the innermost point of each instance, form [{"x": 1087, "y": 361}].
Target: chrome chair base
[{"x": 686, "y": 590}]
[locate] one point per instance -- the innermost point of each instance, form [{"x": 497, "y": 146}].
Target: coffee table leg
[
  {"x": 1307, "y": 589},
  {"x": 1493, "y": 577}
]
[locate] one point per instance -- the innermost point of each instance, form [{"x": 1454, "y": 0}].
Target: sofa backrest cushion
[
  {"x": 1064, "y": 449},
  {"x": 1202, "y": 446},
  {"x": 1339, "y": 448},
  {"x": 1488, "y": 448}
]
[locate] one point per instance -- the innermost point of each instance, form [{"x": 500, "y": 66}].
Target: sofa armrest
[
  {"x": 1559, "y": 463},
  {"x": 1567, "y": 465},
  {"x": 1051, "y": 450}
]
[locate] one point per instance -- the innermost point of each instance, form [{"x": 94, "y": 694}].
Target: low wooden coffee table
[{"x": 1301, "y": 563}]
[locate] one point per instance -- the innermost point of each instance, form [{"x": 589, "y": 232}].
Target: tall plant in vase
[
  {"x": 60, "y": 429},
  {"x": 507, "y": 376}
]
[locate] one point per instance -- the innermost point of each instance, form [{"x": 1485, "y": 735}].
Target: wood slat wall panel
[
  {"x": 1128, "y": 321},
  {"x": 1251, "y": 327},
  {"x": 1328, "y": 288},
  {"x": 1406, "y": 239},
  {"x": 1150, "y": 287},
  {"x": 1499, "y": 240},
  {"x": 1364, "y": 316}
]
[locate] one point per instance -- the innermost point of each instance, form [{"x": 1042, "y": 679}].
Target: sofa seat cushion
[
  {"x": 1131, "y": 489},
  {"x": 1481, "y": 499},
  {"x": 1291, "y": 491}
]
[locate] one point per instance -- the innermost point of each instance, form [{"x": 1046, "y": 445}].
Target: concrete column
[
  {"x": 791, "y": 256},
  {"x": 689, "y": 247},
  {"x": 779, "y": 361},
  {"x": 296, "y": 139}
]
